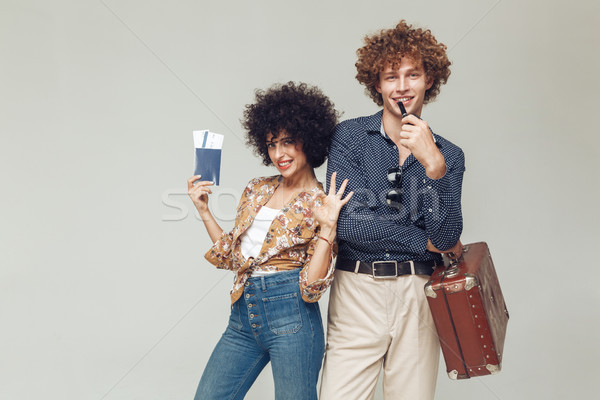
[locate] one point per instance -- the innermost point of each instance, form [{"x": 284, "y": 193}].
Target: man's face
[{"x": 406, "y": 83}]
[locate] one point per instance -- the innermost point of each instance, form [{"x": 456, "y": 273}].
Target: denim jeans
[{"x": 270, "y": 322}]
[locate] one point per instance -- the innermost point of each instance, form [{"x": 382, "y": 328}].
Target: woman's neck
[
  {"x": 289, "y": 188},
  {"x": 305, "y": 181}
]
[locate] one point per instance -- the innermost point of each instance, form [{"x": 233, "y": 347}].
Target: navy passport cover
[{"x": 208, "y": 164}]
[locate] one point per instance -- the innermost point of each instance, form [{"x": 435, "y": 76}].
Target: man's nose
[{"x": 402, "y": 84}]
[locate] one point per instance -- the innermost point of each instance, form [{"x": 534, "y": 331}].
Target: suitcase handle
[{"x": 453, "y": 261}]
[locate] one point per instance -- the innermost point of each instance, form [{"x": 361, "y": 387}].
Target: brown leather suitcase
[{"x": 469, "y": 313}]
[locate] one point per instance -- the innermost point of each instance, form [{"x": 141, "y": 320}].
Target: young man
[{"x": 405, "y": 211}]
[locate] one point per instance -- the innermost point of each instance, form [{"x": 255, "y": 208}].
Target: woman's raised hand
[
  {"x": 198, "y": 191},
  {"x": 328, "y": 211}
]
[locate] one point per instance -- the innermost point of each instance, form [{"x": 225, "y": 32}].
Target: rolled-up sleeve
[
  {"x": 220, "y": 253},
  {"x": 442, "y": 203},
  {"x": 312, "y": 292}
]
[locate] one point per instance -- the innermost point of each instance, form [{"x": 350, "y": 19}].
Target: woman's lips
[{"x": 284, "y": 164}]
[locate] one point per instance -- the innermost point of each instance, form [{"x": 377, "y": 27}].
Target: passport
[{"x": 207, "y": 153}]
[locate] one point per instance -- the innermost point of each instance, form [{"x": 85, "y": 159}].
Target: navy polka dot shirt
[{"x": 371, "y": 230}]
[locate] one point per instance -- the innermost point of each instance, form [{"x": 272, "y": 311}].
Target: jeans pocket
[
  {"x": 283, "y": 313},
  {"x": 235, "y": 318}
]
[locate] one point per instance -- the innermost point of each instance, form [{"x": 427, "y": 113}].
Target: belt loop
[
  {"x": 262, "y": 284},
  {"x": 356, "y": 268},
  {"x": 412, "y": 267}
]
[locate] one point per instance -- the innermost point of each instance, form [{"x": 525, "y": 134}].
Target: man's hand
[
  {"x": 417, "y": 137},
  {"x": 456, "y": 249}
]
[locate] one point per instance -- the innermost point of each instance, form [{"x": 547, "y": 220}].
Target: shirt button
[
  {"x": 395, "y": 147},
  {"x": 247, "y": 296},
  {"x": 387, "y": 255},
  {"x": 428, "y": 187},
  {"x": 430, "y": 210},
  {"x": 424, "y": 181}
]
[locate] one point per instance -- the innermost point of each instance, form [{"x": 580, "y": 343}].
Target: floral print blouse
[{"x": 289, "y": 243}]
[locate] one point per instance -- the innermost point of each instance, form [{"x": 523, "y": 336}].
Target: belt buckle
[{"x": 373, "y": 266}]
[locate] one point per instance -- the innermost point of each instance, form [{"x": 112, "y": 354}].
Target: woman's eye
[{"x": 270, "y": 145}]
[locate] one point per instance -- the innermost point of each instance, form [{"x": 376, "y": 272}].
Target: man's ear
[{"x": 378, "y": 87}]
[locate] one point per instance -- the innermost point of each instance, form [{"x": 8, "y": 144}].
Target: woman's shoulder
[
  {"x": 263, "y": 180},
  {"x": 262, "y": 183}
]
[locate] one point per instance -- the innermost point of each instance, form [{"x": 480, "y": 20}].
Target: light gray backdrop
[{"x": 104, "y": 292}]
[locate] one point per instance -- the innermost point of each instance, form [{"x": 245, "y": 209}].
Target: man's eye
[
  {"x": 270, "y": 144},
  {"x": 289, "y": 141}
]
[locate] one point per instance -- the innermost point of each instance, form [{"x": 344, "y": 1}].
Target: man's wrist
[{"x": 435, "y": 167}]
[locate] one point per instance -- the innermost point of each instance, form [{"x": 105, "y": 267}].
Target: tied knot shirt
[
  {"x": 289, "y": 243},
  {"x": 368, "y": 228}
]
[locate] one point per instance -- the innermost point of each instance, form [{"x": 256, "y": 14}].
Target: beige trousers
[{"x": 374, "y": 323}]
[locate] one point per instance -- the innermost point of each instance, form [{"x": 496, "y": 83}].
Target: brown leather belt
[{"x": 387, "y": 269}]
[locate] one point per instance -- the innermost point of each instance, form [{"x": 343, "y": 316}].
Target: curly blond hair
[{"x": 390, "y": 45}]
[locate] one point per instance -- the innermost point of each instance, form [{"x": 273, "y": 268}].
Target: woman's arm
[
  {"x": 198, "y": 192},
  {"x": 326, "y": 214}
]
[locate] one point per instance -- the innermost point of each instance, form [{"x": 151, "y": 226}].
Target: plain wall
[{"x": 104, "y": 291}]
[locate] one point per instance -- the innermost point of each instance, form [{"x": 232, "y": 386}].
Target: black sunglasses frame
[{"x": 394, "y": 196}]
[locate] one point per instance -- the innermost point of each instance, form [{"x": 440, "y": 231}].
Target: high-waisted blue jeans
[{"x": 270, "y": 322}]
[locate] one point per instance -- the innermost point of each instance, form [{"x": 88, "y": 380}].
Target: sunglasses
[{"x": 394, "y": 196}]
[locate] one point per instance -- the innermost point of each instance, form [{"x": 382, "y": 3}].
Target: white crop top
[{"x": 254, "y": 237}]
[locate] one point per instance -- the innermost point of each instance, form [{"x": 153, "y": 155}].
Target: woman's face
[{"x": 287, "y": 155}]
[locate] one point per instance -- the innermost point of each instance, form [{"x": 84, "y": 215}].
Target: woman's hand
[
  {"x": 198, "y": 191},
  {"x": 328, "y": 211}
]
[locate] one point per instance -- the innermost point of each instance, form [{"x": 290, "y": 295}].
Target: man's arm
[
  {"x": 442, "y": 204},
  {"x": 442, "y": 186}
]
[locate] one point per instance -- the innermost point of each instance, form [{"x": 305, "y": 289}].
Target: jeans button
[
  {"x": 247, "y": 296},
  {"x": 251, "y": 315},
  {"x": 254, "y": 325}
]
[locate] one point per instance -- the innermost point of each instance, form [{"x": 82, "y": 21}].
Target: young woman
[{"x": 281, "y": 249}]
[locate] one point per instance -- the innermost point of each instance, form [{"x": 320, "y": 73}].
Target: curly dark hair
[
  {"x": 302, "y": 111},
  {"x": 390, "y": 45}
]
